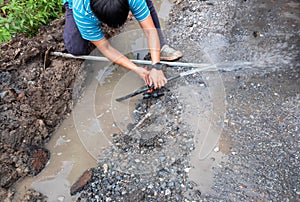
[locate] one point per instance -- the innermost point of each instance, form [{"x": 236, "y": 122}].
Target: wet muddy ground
[
  {"x": 231, "y": 134},
  {"x": 33, "y": 102}
]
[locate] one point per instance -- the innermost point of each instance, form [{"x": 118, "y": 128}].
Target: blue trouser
[{"x": 76, "y": 45}]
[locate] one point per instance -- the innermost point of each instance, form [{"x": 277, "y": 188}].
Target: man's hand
[
  {"x": 143, "y": 73},
  {"x": 157, "y": 78}
]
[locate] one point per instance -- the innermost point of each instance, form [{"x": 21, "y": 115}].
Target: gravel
[
  {"x": 149, "y": 162},
  {"x": 263, "y": 123}
]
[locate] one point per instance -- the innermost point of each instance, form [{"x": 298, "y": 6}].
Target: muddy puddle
[
  {"x": 204, "y": 113},
  {"x": 68, "y": 160}
]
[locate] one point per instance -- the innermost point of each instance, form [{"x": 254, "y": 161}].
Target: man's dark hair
[{"x": 114, "y": 13}]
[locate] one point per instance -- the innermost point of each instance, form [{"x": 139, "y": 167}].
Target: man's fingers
[
  {"x": 157, "y": 79},
  {"x": 146, "y": 78},
  {"x": 159, "y": 84},
  {"x": 165, "y": 81},
  {"x": 150, "y": 82},
  {"x": 162, "y": 82}
]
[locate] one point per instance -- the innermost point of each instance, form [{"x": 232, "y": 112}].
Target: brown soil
[{"x": 33, "y": 101}]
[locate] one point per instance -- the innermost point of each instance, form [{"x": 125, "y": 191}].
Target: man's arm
[
  {"x": 115, "y": 56},
  {"x": 156, "y": 76}
]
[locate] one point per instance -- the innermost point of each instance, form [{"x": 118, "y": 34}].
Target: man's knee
[
  {"x": 74, "y": 43},
  {"x": 75, "y": 50}
]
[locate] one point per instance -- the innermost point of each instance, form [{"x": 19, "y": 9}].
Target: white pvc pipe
[{"x": 144, "y": 62}]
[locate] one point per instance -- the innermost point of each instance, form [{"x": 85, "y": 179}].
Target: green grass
[{"x": 26, "y": 16}]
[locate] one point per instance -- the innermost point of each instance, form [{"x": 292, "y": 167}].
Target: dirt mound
[{"x": 33, "y": 101}]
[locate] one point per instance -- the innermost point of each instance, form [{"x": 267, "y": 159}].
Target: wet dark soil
[{"x": 34, "y": 100}]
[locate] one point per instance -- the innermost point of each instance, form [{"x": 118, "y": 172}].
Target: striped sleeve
[
  {"x": 139, "y": 9},
  {"x": 88, "y": 26}
]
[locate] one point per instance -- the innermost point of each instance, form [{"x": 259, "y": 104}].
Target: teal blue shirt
[{"x": 89, "y": 25}]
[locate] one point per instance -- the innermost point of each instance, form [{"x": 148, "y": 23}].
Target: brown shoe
[{"x": 169, "y": 53}]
